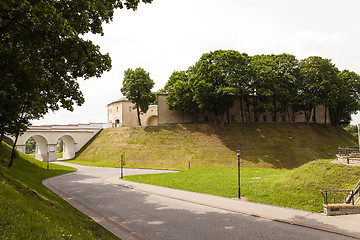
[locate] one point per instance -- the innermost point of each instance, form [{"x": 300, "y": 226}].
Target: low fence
[
  {"x": 349, "y": 151},
  {"x": 338, "y": 196}
]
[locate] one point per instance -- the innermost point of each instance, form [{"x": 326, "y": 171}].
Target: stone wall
[{"x": 167, "y": 116}]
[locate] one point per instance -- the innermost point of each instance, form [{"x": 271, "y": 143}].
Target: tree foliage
[
  {"x": 353, "y": 130},
  {"x": 346, "y": 98},
  {"x": 319, "y": 80},
  {"x": 137, "y": 87},
  {"x": 42, "y": 54},
  {"x": 181, "y": 96},
  {"x": 210, "y": 85},
  {"x": 280, "y": 84}
]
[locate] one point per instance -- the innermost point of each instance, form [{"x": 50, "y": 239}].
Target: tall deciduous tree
[
  {"x": 215, "y": 74},
  {"x": 286, "y": 91},
  {"x": 264, "y": 84},
  {"x": 137, "y": 87},
  {"x": 238, "y": 78},
  {"x": 42, "y": 54},
  {"x": 319, "y": 78},
  {"x": 181, "y": 96},
  {"x": 345, "y": 99}
]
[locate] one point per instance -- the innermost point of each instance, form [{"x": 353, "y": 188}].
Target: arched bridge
[{"x": 74, "y": 137}]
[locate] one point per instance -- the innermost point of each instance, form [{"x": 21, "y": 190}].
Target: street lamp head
[{"x": 238, "y": 153}]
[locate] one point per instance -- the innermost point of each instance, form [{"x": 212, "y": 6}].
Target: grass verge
[
  {"x": 29, "y": 210},
  {"x": 299, "y": 188}
]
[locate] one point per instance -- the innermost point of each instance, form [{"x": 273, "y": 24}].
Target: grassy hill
[
  {"x": 28, "y": 210},
  {"x": 269, "y": 145}
]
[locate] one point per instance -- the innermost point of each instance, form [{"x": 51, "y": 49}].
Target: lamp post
[
  {"x": 238, "y": 157},
  {"x": 48, "y": 160},
  {"x": 121, "y": 166}
]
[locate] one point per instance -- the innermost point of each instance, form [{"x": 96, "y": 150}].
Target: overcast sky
[{"x": 170, "y": 35}]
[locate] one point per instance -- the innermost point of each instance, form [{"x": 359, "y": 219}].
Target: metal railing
[
  {"x": 341, "y": 196},
  {"x": 357, "y": 188},
  {"x": 349, "y": 150},
  {"x": 338, "y": 196}
]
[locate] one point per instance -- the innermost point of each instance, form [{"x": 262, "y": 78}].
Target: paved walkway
[{"x": 345, "y": 225}]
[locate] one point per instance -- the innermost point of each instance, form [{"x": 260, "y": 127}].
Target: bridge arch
[
  {"x": 69, "y": 146},
  {"x": 23, "y": 140},
  {"x": 41, "y": 151}
]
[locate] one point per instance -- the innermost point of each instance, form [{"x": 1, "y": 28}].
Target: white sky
[{"x": 170, "y": 35}]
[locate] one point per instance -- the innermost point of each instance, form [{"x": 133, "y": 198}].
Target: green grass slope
[
  {"x": 269, "y": 145},
  {"x": 298, "y": 188},
  {"x": 28, "y": 210}
]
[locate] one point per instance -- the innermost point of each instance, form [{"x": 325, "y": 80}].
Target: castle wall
[{"x": 167, "y": 116}]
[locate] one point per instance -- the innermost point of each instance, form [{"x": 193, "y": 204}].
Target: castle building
[{"x": 123, "y": 113}]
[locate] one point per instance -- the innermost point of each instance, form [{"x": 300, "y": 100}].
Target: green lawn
[
  {"x": 28, "y": 210},
  {"x": 298, "y": 188}
]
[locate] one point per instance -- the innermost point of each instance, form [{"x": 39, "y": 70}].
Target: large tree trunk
[
  {"x": 248, "y": 108},
  {"x": 241, "y": 110},
  {"x": 2, "y": 134},
  {"x": 307, "y": 115},
  {"x": 314, "y": 114},
  {"x": 293, "y": 114},
  {"x": 14, "y": 145},
  {"x": 13, "y": 150},
  {"x": 274, "y": 103},
  {"x": 256, "y": 117},
  {"x": 16, "y": 137},
  {"x": 288, "y": 113},
  {"x": 138, "y": 113},
  {"x": 325, "y": 115},
  {"x": 216, "y": 115}
]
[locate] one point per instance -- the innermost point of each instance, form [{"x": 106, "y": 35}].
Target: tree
[
  {"x": 353, "y": 130},
  {"x": 319, "y": 78},
  {"x": 264, "y": 84},
  {"x": 214, "y": 81},
  {"x": 345, "y": 99},
  {"x": 286, "y": 90},
  {"x": 181, "y": 96},
  {"x": 137, "y": 87},
  {"x": 42, "y": 54},
  {"x": 239, "y": 80},
  {"x": 155, "y": 102}
]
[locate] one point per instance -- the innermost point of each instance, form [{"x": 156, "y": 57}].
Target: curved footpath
[{"x": 140, "y": 211}]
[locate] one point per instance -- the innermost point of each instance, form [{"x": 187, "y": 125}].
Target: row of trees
[
  {"x": 42, "y": 54},
  {"x": 264, "y": 83}
]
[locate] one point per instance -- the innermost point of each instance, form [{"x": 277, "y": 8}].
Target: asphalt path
[{"x": 132, "y": 214}]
